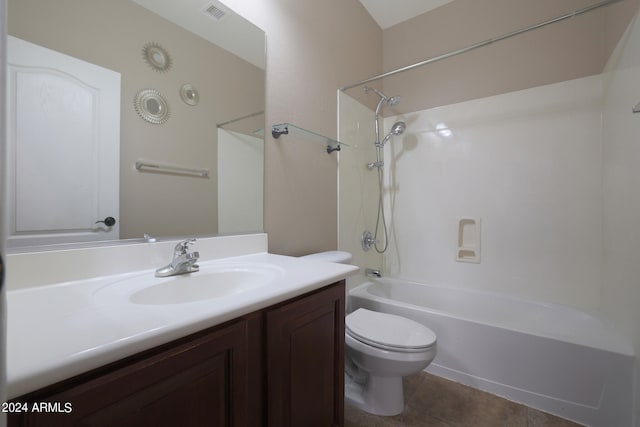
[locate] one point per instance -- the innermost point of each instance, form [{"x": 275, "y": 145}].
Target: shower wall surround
[
  {"x": 620, "y": 293},
  {"x": 528, "y": 163},
  {"x": 357, "y": 185}
]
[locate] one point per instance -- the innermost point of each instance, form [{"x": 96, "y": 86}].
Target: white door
[{"x": 63, "y": 124}]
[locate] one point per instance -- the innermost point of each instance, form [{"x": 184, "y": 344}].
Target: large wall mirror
[{"x": 146, "y": 112}]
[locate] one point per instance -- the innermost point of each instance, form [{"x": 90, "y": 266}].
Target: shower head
[
  {"x": 398, "y": 128},
  {"x": 391, "y": 102}
]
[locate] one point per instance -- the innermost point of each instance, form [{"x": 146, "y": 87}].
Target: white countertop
[{"x": 60, "y": 330}]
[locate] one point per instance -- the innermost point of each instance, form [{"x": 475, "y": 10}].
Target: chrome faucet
[{"x": 183, "y": 261}]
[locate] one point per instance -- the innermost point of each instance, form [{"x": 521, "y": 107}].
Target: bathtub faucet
[{"x": 370, "y": 272}]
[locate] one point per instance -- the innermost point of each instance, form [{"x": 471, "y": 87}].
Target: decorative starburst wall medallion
[{"x": 156, "y": 56}]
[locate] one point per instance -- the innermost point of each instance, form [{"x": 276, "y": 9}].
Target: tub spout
[{"x": 370, "y": 272}]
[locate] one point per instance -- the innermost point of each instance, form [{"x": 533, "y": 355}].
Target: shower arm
[
  {"x": 383, "y": 98},
  {"x": 481, "y": 44}
]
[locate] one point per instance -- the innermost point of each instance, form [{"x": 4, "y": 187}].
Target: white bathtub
[{"x": 547, "y": 356}]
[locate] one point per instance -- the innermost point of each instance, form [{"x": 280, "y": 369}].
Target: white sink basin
[{"x": 211, "y": 282}]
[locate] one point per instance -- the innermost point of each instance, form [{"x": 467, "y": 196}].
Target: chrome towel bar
[{"x": 148, "y": 166}]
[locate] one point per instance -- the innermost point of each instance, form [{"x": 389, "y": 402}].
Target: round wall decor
[
  {"x": 151, "y": 106},
  {"x": 156, "y": 56},
  {"x": 189, "y": 94}
]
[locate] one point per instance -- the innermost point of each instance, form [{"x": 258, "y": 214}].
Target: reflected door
[{"x": 63, "y": 147}]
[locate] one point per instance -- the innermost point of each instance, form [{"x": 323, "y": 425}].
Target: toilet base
[{"x": 377, "y": 396}]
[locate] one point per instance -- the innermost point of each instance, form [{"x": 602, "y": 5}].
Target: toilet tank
[{"x": 340, "y": 257}]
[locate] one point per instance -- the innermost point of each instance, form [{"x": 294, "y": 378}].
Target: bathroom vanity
[
  {"x": 266, "y": 356},
  {"x": 279, "y": 366}
]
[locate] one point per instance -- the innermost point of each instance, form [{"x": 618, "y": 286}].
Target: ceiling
[{"x": 388, "y": 13}]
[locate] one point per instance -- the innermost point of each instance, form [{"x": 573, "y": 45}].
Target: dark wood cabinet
[
  {"x": 282, "y": 366},
  {"x": 201, "y": 381},
  {"x": 305, "y": 361}
]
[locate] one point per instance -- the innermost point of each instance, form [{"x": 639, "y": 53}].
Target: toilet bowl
[{"x": 380, "y": 349}]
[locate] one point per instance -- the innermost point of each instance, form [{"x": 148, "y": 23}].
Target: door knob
[{"x": 108, "y": 221}]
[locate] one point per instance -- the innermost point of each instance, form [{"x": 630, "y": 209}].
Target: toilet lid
[{"x": 388, "y": 331}]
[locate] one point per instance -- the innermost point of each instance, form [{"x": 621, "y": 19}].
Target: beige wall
[
  {"x": 570, "y": 49},
  {"x": 312, "y": 49},
  {"x": 112, "y": 34}
]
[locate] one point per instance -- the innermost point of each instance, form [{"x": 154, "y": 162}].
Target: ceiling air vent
[{"x": 215, "y": 11}]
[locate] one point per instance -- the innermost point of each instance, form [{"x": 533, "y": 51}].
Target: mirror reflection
[
  {"x": 154, "y": 106},
  {"x": 75, "y": 68}
]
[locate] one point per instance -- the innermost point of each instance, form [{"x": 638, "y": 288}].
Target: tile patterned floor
[{"x": 432, "y": 401}]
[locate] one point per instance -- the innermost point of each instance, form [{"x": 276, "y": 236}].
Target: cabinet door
[
  {"x": 305, "y": 361},
  {"x": 202, "y": 382}
]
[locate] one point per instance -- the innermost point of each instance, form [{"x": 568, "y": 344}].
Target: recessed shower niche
[{"x": 468, "y": 243}]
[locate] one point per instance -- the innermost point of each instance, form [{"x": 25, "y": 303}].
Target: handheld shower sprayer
[{"x": 397, "y": 129}]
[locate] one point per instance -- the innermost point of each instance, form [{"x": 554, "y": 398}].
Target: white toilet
[{"x": 380, "y": 349}]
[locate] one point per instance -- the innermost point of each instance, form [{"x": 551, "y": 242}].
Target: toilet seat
[{"x": 388, "y": 331}]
